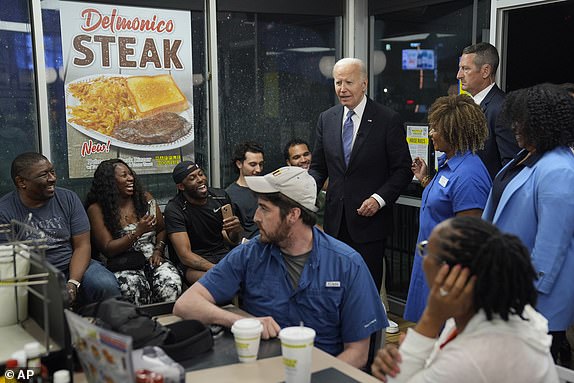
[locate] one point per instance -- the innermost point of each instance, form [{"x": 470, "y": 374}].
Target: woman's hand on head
[
  {"x": 451, "y": 293},
  {"x": 386, "y": 362}
]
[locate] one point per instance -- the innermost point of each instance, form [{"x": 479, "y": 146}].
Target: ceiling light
[
  {"x": 415, "y": 37},
  {"x": 310, "y": 49}
]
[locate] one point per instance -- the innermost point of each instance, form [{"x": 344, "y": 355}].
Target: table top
[
  {"x": 222, "y": 365},
  {"x": 272, "y": 370},
  {"x": 223, "y": 353}
]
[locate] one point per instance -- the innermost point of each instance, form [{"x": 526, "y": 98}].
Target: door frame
[{"x": 499, "y": 26}]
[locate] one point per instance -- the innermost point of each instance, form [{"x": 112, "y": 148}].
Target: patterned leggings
[{"x": 152, "y": 285}]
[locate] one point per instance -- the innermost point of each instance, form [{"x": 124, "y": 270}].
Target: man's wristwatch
[{"x": 74, "y": 282}]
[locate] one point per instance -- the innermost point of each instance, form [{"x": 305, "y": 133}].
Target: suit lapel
[
  {"x": 511, "y": 188},
  {"x": 367, "y": 123},
  {"x": 488, "y": 98},
  {"x": 334, "y": 133}
]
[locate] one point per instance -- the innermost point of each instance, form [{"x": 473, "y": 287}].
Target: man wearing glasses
[{"x": 60, "y": 219}]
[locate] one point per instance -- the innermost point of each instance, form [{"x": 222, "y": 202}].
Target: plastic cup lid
[
  {"x": 246, "y": 324},
  {"x": 297, "y": 333},
  {"x": 61, "y": 376}
]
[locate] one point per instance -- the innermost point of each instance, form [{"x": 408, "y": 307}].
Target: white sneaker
[{"x": 393, "y": 327}]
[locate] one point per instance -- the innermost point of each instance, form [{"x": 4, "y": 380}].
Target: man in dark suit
[
  {"x": 366, "y": 158},
  {"x": 477, "y": 71}
]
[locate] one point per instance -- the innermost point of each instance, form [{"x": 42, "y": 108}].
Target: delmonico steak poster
[{"x": 128, "y": 86}]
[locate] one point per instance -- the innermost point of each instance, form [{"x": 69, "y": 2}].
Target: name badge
[
  {"x": 332, "y": 284},
  {"x": 443, "y": 181}
]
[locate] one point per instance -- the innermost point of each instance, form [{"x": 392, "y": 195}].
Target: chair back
[{"x": 565, "y": 375}]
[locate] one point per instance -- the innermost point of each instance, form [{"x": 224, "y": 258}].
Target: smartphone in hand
[
  {"x": 226, "y": 211},
  {"x": 151, "y": 207}
]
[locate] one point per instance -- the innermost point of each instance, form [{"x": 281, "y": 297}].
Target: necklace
[
  {"x": 127, "y": 216},
  {"x": 528, "y": 155}
]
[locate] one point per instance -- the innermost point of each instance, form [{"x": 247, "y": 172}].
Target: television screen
[{"x": 415, "y": 59}]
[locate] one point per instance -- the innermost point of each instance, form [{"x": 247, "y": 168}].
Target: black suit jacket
[
  {"x": 500, "y": 146},
  {"x": 380, "y": 163}
]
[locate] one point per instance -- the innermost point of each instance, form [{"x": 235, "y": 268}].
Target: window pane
[
  {"x": 271, "y": 85},
  {"x": 421, "y": 47},
  {"x": 18, "y": 112}
]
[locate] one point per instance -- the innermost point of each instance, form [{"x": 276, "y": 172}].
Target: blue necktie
[{"x": 348, "y": 136}]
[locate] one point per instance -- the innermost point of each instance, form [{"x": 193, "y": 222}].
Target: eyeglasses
[{"x": 422, "y": 248}]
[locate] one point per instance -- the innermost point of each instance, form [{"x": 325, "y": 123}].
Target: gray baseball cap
[{"x": 291, "y": 181}]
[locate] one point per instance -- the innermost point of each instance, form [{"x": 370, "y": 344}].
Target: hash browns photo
[{"x": 104, "y": 103}]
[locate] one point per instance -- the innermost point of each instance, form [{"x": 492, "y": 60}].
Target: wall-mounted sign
[{"x": 128, "y": 86}]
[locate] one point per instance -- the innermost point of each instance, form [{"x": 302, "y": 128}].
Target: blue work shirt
[
  {"x": 336, "y": 295},
  {"x": 461, "y": 183}
]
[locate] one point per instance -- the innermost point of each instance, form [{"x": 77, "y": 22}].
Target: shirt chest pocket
[
  {"x": 264, "y": 290},
  {"x": 325, "y": 303}
]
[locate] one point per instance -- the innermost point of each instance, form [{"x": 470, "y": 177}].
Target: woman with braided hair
[
  {"x": 532, "y": 197},
  {"x": 461, "y": 185},
  {"x": 482, "y": 296}
]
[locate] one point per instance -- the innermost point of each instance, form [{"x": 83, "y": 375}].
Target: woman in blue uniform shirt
[{"x": 461, "y": 185}]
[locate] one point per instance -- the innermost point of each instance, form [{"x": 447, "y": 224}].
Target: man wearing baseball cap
[
  {"x": 194, "y": 222},
  {"x": 292, "y": 273}
]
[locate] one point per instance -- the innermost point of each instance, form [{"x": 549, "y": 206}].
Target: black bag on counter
[
  {"x": 180, "y": 340},
  {"x": 129, "y": 260},
  {"x": 186, "y": 339},
  {"x": 120, "y": 315}
]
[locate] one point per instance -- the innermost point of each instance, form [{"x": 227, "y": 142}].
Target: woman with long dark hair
[
  {"x": 479, "y": 324},
  {"x": 128, "y": 230}
]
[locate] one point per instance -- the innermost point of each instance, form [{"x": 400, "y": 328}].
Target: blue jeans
[{"x": 98, "y": 284}]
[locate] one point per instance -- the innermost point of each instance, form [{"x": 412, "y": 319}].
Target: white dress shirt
[{"x": 356, "y": 118}]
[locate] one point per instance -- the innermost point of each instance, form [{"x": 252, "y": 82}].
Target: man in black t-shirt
[{"x": 195, "y": 224}]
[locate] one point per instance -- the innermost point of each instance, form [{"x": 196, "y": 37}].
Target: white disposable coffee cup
[
  {"x": 247, "y": 333},
  {"x": 297, "y": 349}
]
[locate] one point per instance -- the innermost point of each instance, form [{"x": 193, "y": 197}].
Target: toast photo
[{"x": 154, "y": 94}]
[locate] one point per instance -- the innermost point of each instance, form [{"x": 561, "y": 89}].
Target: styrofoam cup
[
  {"x": 9, "y": 296},
  {"x": 247, "y": 333},
  {"x": 297, "y": 349}
]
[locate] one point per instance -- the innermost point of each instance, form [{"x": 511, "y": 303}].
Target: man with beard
[
  {"x": 195, "y": 224},
  {"x": 297, "y": 153},
  {"x": 60, "y": 219},
  {"x": 292, "y": 273}
]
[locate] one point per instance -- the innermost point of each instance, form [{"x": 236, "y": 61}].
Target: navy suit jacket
[
  {"x": 500, "y": 146},
  {"x": 380, "y": 163}
]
